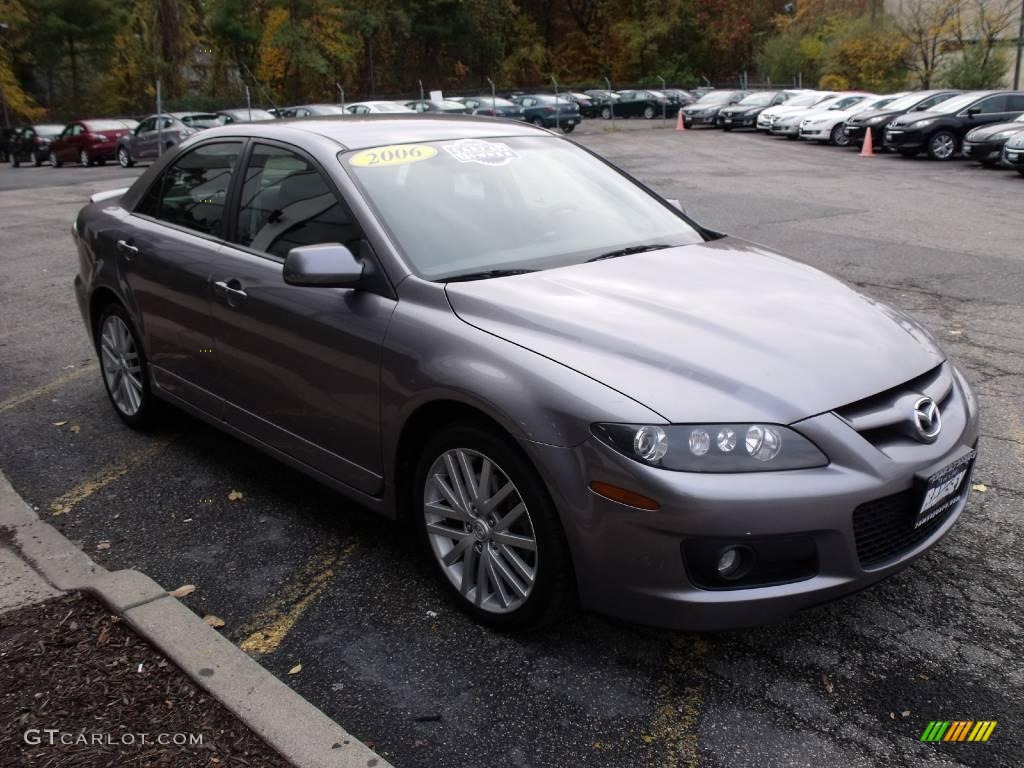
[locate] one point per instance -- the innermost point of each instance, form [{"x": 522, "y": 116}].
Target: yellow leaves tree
[
  {"x": 18, "y": 104},
  {"x": 927, "y": 27}
]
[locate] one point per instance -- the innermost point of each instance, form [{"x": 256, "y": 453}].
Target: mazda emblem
[{"x": 927, "y": 420}]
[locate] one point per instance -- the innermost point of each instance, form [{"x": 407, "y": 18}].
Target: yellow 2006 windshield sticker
[{"x": 396, "y": 154}]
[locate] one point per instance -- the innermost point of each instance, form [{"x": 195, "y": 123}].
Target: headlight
[
  {"x": 922, "y": 123},
  {"x": 101, "y": 137},
  {"x": 713, "y": 447},
  {"x": 1003, "y": 135},
  {"x": 876, "y": 120}
]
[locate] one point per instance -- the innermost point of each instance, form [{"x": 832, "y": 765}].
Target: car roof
[{"x": 363, "y": 131}]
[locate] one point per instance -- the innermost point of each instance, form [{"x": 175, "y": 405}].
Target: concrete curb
[{"x": 301, "y": 733}]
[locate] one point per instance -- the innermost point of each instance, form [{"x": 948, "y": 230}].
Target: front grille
[{"x": 884, "y": 528}]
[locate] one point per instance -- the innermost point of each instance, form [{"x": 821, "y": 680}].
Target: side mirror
[
  {"x": 973, "y": 111},
  {"x": 675, "y": 204},
  {"x": 329, "y": 265}
]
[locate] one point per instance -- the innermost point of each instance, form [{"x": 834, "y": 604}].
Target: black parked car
[
  {"x": 31, "y": 144},
  {"x": 1013, "y": 153},
  {"x": 645, "y": 104},
  {"x": 602, "y": 97},
  {"x": 877, "y": 119},
  {"x": 550, "y": 111},
  {"x": 495, "y": 106},
  {"x": 310, "y": 110},
  {"x": 588, "y": 107},
  {"x": 941, "y": 130},
  {"x": 705, "y": 110},
  {"x": 679, "y": 97},
  {"x": 985, "y": 144},
  {"x": 744, "y": 113}
]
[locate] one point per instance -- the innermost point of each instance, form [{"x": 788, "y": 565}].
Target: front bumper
[
  {"x": 814, "y": 133},
  {"x": 901, "y": 138},
  {"x": 1013, "y": 158},
  {"x": 692, "y": 119},
  {"x": 736, "y": 121},
  {"x": 785, "y": 129},
  {"x": 982, "y": 151},
  {"x": 630, "y": 563}
]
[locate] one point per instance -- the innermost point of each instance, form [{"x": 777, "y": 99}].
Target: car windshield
[
  {"x": 452, "y": 105},
  {"x": 715, "y": 97},
  {"x": 544, "y": 99},
  {"x": 523, "y": 203},
  {"x": 849, "y": 101},
  {"x": 326, "y": 109},
  {"x": 48, "y": 130},
  {"x": 254, "y": 115},
  {"x": 804, "y": 100},
  {"x": 906, "y": 102},
  {"x": 758, "y": 100},
  {"x": 202, "y": 121},
  {"x": 106, "y": 125},
  {"x": 956, "y": 103},
  {"x": 497, "y": 101}
]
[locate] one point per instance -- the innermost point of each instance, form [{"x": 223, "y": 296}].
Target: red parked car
[{"x": 87, "y": 142}]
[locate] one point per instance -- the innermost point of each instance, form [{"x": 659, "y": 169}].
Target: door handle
[
  {"x": 230, "y": 288},
  {"x": 130, "y": 251}
]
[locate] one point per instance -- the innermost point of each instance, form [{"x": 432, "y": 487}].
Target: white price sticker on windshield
[{"x": 493, "y": 153}]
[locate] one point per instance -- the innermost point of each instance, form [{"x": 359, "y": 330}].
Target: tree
[
  {"x": 927, "y": 26},
  {"x": 867, "y": 54},
  {"x": 980, "y": 26}
]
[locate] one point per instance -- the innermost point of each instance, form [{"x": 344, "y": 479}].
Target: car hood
[
  {"x": 868, "y": 114},
  {"x": 692, "y": 108},
  {"x": 913, "y": 117},
  {"x": 987, "y": 131},
  {"x": 720, "y": 331},
  {"x": 736, "y": 109}
]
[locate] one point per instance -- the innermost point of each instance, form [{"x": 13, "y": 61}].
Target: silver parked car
[
  {"x": 158, "y": 133},
  {"x": 572, "y": 390}
]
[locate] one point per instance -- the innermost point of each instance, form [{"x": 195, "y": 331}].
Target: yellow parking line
[
  {"x": 71, "y": 499},
  {"x": 678, "y": 712},
  {"x": 279, "y": 618},
  {"x": 46, "y": 389}
]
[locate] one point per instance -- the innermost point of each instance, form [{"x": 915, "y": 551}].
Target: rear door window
[
  {"x": 991, "y": 105},
  {"x": 1015, "y": 103},
  {"x": 192, "y": 192}
]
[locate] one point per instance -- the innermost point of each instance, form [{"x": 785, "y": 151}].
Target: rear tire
[
  {"x": 492, "y": 543},
  {"x": 606, "y": 113},
  {"x": 83, "y": 159},
  {"x": 123, "y": 158},
  {"x": 942, "y": 145},
  {"x": 648, "y": 113},
  {"x": 124, "y": 368},
  {"x": 568, "y": 128},
  {"x": 838, "y": 137}
]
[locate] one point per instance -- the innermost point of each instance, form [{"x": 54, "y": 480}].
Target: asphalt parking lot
[{"x": 301, "y": 576}]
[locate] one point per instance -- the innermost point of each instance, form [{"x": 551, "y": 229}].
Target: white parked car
[
  {"x": 797, "y": 103},
  {"x": 789, "y": 125},
  {"x": 377, "y": 108},
  {"x": 830, "y": 124}
]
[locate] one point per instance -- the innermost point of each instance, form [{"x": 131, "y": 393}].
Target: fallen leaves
[
  {"x": 826, "y": 684},
  {"x": 213, "y": 621},
  {"x": 59, "y": 423},
  {"x": 980, "y": 487},
  {"x": 295, "y": 670},
  {"x": 103, "y": 545},
  {"x": 183, "y": 591},
  {"x": 75, "y": 428},
  {"x": 236, "y": 496}
]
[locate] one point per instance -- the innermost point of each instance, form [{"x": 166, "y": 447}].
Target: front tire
[
  {"x": 83, "y": 159},
  {"x": 124, "y": 368},
  {"x": 942, "y": 145},
  {"x": 838, "y": 137},
  {"x": 606, "y": 113},
  {"x": 489, "y": 525},
  {"x": 568, "y": 128},
  {"x": 648, "y": 112},
  {"x": 123, "y": 158}
]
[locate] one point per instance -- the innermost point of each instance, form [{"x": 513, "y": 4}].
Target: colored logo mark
[{"x": 958, "y": 730}]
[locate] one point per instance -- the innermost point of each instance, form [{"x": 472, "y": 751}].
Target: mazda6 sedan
[{"x": 576, "y": 394}]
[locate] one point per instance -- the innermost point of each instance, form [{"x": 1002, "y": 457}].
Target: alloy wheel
[
  {"x": 83, "y": 159},
  {"x": 839, "y": 137},
  {"x": 122, "y": 158},
  {"x": 122, "y": 368},
  {"x": 943, "y": 146},
  {"x": 649, "y": 113},
  {"x": 480, "y": 530}
]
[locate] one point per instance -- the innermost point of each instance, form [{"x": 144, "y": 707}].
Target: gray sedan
[
  {"x": 158, "y": 133},
  {"x": 576, "y": 394}
]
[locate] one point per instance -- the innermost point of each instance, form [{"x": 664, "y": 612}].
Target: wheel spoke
[
  {"x": 467, "y": 571},
  {"x": 453, "y": 501},
  {"x": 456, "y": 552},
  {"x": 456, "y": 481},
  {"x": 481, "y": 578},
  {"x": 499, "y": 587},
  {"x": 449, "y": 511},
  {"x": 468, "y": 476},
  {"x": 443, "y": 530},
  {"x": 499, "y": 496},
  {"x": 510, "y": 517},
  {"x": 520, "y": 567},
  {"x": 513, "y": 540},
  {"x": 506, "y": 575}
]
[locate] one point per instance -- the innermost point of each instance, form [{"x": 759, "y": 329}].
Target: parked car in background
[
  {"x": 743, "y": 114},
  {"x": 446, "y": 106},
  {"x": 244, "y": 115},
  {"x": 377, "y": 108},
  {"x": 830, "y": 124},
  {"x": 705, "y": 110},
  {"x": 310, "y": 110},
  {"x": 643, "y": 103},
  {"x": 1013, "y": 153},
  {"x": 941, "y": 130},
  {"x": 801, "y": 101},
  {"x": 87, "y": 142},
  {"x": 602, "y": 97},
  {"x": 158, "y": 133},
  {"x": 493, "y": 106},
  {"x": 788, "y": 124},
  {"x": 985, "y": 144},
  {"x": 7, "y": 135},
  {"x": 877, "y": 119},
  {"x": 550, "y": 111},
  {"x": 588, "y": 106},
  {"x": 31, "y": 144},
  {"x": 679, "y": 97}
]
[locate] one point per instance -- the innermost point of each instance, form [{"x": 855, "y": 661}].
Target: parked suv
[
  {"x": 940, "y": 131},
  {"x": 158, "y": 133},
  {"x": 88, "y": 142},
  {"x": 878, "y": 118},
  {"x": 31, "y": 144}
]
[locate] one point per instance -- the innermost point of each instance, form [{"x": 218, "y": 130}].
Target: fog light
[{"x": 734, "y": 562}]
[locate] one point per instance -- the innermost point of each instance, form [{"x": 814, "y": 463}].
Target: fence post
[
  {"x": 159, "y": 121},
  {"x": 611, "y": 101}
]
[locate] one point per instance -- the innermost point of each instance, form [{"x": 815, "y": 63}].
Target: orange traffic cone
[
  {"x": 679, "y": 120},
  {"x": 867, "y": 150}
]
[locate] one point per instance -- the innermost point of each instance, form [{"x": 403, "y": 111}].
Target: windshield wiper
[
  {"x": 486, "y": 274},
  {"x": 629, "y": 251}
]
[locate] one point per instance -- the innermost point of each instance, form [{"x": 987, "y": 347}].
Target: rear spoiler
[{"x": 110, "y": 194}]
